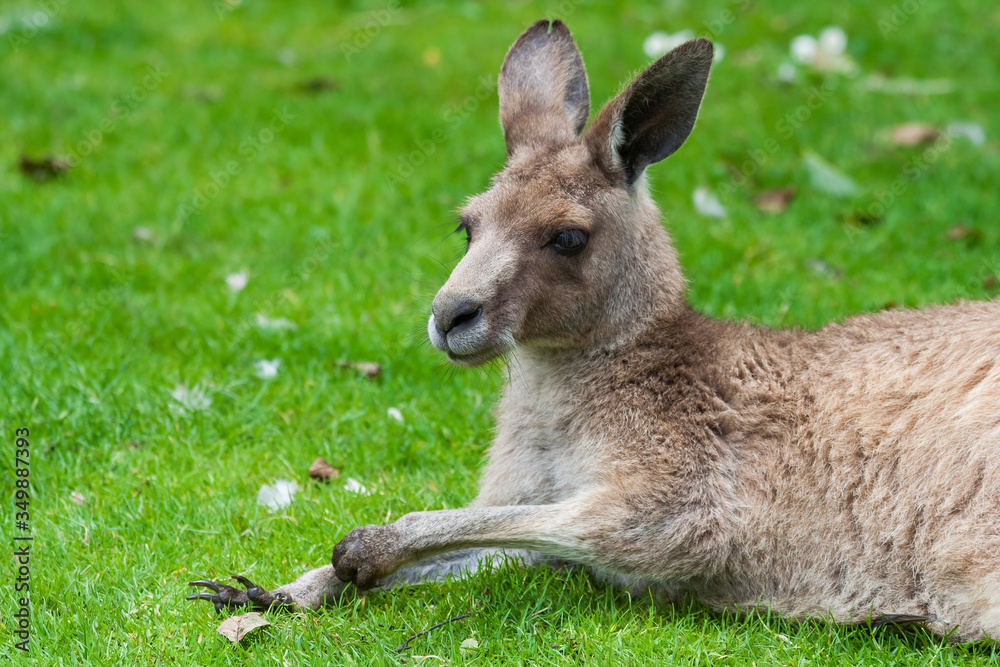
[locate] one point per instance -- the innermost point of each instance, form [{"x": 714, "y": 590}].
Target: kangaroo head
[{"x": 565, "y": 249}]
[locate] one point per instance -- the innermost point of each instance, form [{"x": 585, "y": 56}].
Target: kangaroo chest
[{"x": 544, "y": 449}]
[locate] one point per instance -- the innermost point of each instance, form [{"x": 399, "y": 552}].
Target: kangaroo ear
[
  {"x": 543, "y": 87},
  {"x": 655, "y": 114}
]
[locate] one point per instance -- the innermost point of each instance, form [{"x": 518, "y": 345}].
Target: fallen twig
[{"x": 405, "y": 645}]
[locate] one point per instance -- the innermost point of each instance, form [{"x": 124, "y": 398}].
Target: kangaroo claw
[{"x": 229, "y": 598}]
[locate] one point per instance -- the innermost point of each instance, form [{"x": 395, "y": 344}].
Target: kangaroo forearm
[{"x": 542, "y": 528}]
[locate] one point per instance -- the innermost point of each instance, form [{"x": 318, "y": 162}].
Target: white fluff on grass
[
  {"x": 395, "y": 414},
  {"x": 827, "y": 178},
  {"x": 274, "y": 323},
  {"x": 786, "y": 72},
  {"x": 277, "y": 496},
  {"x": 190, "y": 399},
  {"x": 972, "y": 131},
  {"x": 267, "y": 368},
  {"x": 826, "y": 53},
  {"x": 906, "y": 85},
  {"x": 804, "y": 49},
  {"x": 237, "y": 281},
  {"x": 660, "y": 43},
  {"x": 833, "y": 40},
  {"x": 354, "y": 486},
  {"x": 708, "y": 204}
]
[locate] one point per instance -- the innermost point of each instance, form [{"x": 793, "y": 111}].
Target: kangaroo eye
[
  {"x": 464, "y": 227},
  {"x": 571, "y": 242}
]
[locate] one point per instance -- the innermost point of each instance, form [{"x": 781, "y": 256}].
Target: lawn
[{"x": 319, "y": 150}]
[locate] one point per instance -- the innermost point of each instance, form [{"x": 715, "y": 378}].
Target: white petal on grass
[
  {"x": 395, "y": 414},
  {"x": 827, "y": 178},
  {"x": 267, "y": 368},
  {"x": 237, "y": 281},
  {"x": 804, "y": 49},
  {"x": 190, "y": 399},
  {"x": 719, "y": 52},
  {"x": 659, "y": 42},
  {"x": 277, "y": 496},
  {"x": 972, "y": 131},
  {"x": 274, "y": 323},
  {"x": 833, "y": 40},
  {"x": 708, "y": 204},
  {"x": 354, "y": 486}
]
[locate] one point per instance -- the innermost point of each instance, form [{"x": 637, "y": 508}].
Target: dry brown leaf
[
  {"x": 369, "y": 369},
  {"x": 990, "y": 281},
  {"x": 318, "y": 84},
  {"x": 774, "y": 201},
  {"x": 235, "y": 628},
  {"x": 863, "y": 219},
  {"x": 320, "y": 469},
  {"x": 913, "y": 134},
  {"x": 965, "y": 233},
  {"x": 43, "y": 169},
  {"x": 432, "y": 56},
  {"x": 957, "y": 233}
]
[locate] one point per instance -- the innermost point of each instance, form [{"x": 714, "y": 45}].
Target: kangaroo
[{"x": 850, "y": 473}]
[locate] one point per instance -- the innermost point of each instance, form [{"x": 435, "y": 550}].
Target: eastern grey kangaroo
[{"x": 850, "y": 473}]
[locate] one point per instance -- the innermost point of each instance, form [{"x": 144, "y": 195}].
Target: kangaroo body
[
  {"x": 846, "y": 473},
  {"x": 851, "y": 473}
]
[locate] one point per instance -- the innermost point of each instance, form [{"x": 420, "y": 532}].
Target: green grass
[{"x": 97, "y": 328}]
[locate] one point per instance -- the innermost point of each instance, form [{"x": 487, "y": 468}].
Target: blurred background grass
[{"x": 322, "y": 149}]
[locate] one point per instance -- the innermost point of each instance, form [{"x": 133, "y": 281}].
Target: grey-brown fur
[{"x": 851, "y": 473}]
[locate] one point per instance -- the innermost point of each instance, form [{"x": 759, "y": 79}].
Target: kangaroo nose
[{"x": 462, "y": 313}]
